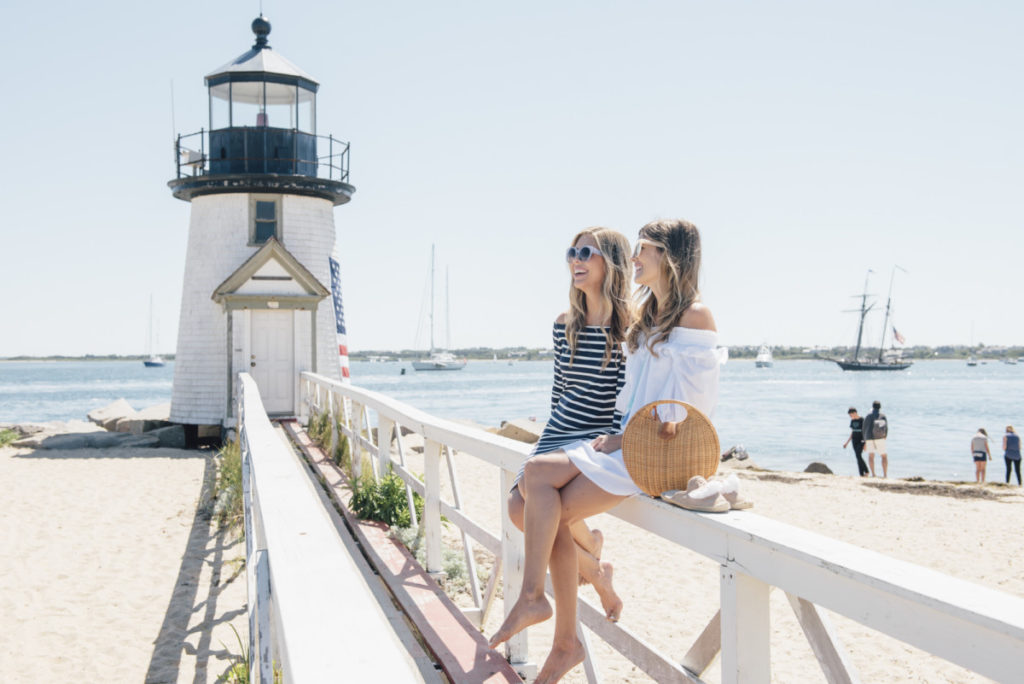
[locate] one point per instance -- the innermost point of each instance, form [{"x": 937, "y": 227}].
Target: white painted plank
[
  {"x": 746, "y": 627},
  {"x": 303, "y": 543},
  {"x": 706, "y": 648},
  {"x": 835, "y": 664},
  {"x": 432, "y": 504}
]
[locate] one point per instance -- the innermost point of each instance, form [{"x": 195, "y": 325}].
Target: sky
[{"x": 808, "y": 141}]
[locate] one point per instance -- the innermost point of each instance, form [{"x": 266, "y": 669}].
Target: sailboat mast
[
  {"x": 431, "y": 298},
  {"x": 888, "y": 305},
  {"x": 149, "y": 333},
  {"x": 863, "y": 313},
  {"x": 447, "y": 313}
]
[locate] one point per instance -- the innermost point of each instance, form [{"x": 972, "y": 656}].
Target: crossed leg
[
  {"x": 588, "y": 551},
  {"x": 556, "y": 497}
]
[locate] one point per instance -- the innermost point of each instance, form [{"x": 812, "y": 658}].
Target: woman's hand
[{"x": 607, "y": 443}]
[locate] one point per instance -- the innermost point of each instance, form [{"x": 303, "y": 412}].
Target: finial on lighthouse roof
[{"x": 261, "y": 27}]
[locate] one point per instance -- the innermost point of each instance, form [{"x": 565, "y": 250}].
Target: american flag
[
  {"x": 339, "y": 318},
  {"x": 896, "y": 334}
]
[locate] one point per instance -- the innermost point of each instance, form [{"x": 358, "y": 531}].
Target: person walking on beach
[
  {"x": 1011, "y": 452},
  {"x": 876, "y": 431},
  {"x": 672, "y": 354},
  {"x": 981, "y": 454},
  {"x": 857, "y": 437},
  {"x": 590, "y": 369}
]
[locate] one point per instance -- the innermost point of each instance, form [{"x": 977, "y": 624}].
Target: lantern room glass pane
[
  {"x": 280, "y": 105},
  {"x": 220, "y": 106},
  {"x": 307, "y": 111},
  {"x": 247, "y": 108}
]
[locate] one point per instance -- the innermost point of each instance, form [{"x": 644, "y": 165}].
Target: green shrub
[
  {"x": 342, "y": 455},
  {"x": 7, "y": 436},
  {"x": 228, "y": 511},
  {"x": 383, "y": 499},
  {"x": 319, "y": 428}
]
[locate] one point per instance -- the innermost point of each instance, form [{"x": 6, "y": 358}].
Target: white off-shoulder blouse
[{"x": 684, "y": 367}]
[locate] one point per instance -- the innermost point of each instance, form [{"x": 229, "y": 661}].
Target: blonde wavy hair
[
  {"x": 679, "y": 242},
  {"x": 615, "y": 290}
]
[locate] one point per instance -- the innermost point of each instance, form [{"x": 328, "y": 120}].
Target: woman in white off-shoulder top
[{"x": 672, "y": 354}]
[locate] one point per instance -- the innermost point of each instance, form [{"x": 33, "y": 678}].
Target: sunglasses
[
  {"x": 582, "y": 253},
  {"x": 640, "y": 245}
]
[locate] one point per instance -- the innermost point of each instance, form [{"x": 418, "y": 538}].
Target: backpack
[{"x": 879, "y": 428}]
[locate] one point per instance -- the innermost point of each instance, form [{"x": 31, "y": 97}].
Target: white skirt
[{"x": 607, "y": 471}]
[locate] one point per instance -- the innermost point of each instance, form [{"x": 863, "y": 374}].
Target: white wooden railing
[
  {"x": 292, "y": 544},
  {"x": 973, "y": 626}
]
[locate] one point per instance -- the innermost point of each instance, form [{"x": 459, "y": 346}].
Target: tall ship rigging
[{"x": 888, "y": 360}]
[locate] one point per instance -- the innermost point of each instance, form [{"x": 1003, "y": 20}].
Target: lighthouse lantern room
[{"x": 262, "y": 184}]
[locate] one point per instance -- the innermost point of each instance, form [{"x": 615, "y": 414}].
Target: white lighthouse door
[{"x": 272, "y": 360}]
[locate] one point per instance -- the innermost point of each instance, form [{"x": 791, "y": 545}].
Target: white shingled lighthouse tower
[{"x": 257, "y": 293}]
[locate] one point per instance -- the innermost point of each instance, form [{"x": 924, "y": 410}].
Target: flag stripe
[{"x": 339, "y": 318}]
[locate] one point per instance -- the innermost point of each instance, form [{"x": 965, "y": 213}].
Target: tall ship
[{"x": 888, "y": 359}]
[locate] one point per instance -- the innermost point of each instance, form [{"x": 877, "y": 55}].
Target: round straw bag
[{"x": 661, "y": 456}]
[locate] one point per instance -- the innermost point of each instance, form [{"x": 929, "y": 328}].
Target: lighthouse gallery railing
[
  {"x": 967, "y": 624},
  {"x": 263, "y": 150}
]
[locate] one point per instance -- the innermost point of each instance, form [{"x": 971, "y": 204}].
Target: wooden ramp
[{"x": 459, "y": 647}]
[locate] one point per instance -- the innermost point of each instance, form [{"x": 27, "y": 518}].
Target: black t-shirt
[{"x": 857, "y": 429}]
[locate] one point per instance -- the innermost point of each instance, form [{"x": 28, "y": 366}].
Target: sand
[
  {"x": 670, "y": 594},
  {"x": 111, "y": 570}
]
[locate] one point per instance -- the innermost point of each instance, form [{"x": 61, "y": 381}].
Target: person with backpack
[{"x": 876, "y": 430}]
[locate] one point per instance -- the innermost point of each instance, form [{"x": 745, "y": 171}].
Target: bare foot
[
  {"x": 559, "y": 662},
  {"x": 595, "y": 552},
  {"x": 524, "y": 613},
  {"x": 610, "y": 601}
]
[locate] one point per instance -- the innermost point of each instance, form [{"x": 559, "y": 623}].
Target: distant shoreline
[
  {"x": 87, "y": 357},
  {"x": 945, "y": 352}
]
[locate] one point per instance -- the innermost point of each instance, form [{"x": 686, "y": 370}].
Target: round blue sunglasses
[{"x": 582, "y": 253}]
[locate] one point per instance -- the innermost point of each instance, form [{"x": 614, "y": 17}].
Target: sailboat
[
  {"x": 440, "y": 359},
  {"x": 764, "y": 357},
  {"x": 154, "y": 360},
  {"x": 886, "y": 361},
  {"x": 972, "y": 360}
]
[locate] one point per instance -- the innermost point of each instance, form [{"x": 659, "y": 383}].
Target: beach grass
[
  {"x": 228, "y": 510},
  {"x": 7, "y": 436}
]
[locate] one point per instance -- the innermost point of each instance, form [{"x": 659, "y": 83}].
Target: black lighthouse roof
[{"x": 262, "y": 63}]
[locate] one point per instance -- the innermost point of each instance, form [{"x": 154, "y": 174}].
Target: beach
[{"x": 112, "y": 570}]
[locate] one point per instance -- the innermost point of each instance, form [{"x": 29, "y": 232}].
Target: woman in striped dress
[{"x": 589, "y": 373}]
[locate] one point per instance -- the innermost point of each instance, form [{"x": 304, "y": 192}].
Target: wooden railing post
[
  {"x": 513, "y": 554},
  {"x": 355, "y": 444},
  {"x": 332, "y": 411},
  {"x": 385, "y": 428},
  {"x": 432, "y": 504},
  {"x": 746, "y": 628}
]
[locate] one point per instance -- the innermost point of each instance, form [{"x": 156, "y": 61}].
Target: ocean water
[{"x": 786, "y": 416}]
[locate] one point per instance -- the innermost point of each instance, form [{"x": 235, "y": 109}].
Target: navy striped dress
[{"x": 583, "y": 394}]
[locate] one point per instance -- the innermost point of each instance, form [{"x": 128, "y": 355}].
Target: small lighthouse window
[{"x": 264, "y": 221}]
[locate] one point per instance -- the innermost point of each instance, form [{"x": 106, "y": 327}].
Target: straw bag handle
[{"x": 667, "y": 429}]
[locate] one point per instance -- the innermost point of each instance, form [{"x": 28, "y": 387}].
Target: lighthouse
[{"x": 262, "y": 183}]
